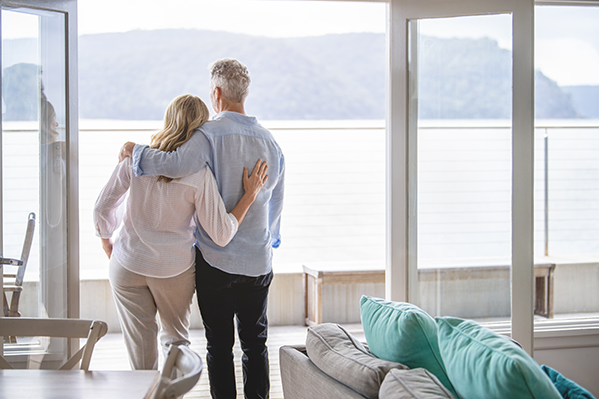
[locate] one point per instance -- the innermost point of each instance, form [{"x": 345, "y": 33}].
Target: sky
[
  {"x": 260, "y": 18},
  {"x": 566, "y": 39},
  {"x": 566, "y": 46}
]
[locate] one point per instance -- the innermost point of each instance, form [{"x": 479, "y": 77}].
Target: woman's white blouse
[{"x": 156, "y": 239}]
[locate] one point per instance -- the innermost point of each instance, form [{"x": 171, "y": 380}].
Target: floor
[{"x": 110, "y": 354}]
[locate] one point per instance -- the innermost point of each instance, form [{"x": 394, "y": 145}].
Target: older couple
[{"x": 231, "y": 281}]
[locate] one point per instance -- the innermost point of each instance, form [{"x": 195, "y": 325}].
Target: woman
[{"x": 152, "y": 259}]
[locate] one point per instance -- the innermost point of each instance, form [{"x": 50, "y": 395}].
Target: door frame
[{"x": 69, "y": 9}]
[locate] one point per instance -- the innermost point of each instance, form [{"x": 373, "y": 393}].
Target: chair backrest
[
  {"x": 180, "y": 374},
  {"x": 15, "y": 286},
  {"x": 26, "y": 248},
  {"x": 93, "y": 330}
]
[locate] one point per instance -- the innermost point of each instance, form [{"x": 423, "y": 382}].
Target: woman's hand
[
  {"x": 253, "y": 184},
  {"x": 107, "y": 246}
]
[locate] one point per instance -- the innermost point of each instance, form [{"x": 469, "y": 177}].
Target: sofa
[
  {"x": 408, "y": 355},
  {"x": 302, "y": 379}
]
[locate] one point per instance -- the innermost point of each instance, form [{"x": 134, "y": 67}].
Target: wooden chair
[
  {"x": 93, "y": 330},
  {"x": 180, "y": 374},
  {"x": 13, "y": 282}
]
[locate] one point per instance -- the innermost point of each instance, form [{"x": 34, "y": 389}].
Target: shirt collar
[{"x": 237, "y": 117}]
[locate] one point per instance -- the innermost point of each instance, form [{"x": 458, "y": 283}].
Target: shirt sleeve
[
  {"x": 275, "y": 207},
  {"x": 212, "y": 214},
  {"x": 187, "y": 159},
  {"x": 107, "y": 216}
]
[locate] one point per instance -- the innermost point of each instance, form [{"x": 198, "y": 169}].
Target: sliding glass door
[
  {"x": 39, "y": 164},
  {"x": 461, "y": 85},
  {"x": 461, "y": 111}
]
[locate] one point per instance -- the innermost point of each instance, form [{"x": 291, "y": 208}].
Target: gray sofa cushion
[
  {"x": 301, "y": 379},
  {"x": 338, "y": 354},
  {"x": 412, "y": 384}
]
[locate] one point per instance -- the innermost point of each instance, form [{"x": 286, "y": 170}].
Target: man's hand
[{"x": 126, "y": 151}]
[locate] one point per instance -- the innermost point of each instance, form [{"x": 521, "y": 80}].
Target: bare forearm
[{"x": 242, "y": 207}]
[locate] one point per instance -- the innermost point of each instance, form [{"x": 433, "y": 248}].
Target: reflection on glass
[
  {"x": 34, "y": 153},
  {"x": 462, "y": 91}
]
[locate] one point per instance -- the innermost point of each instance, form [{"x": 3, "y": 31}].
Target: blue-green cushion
[
  {"x": 403, "y": 333},
  {"x": 567, "y": 388},
  {"x": 483, "y": 364}
]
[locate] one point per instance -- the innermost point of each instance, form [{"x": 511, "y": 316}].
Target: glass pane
[
  {"x": 319, "y": 87},
  {"x": 567, "y": 129},
  {"x": 462, "y": 86},
  {"x": 333, "y": 86},
  {"x": 33, "y": 158}
]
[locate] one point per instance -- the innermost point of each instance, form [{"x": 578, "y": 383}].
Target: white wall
[
  {"x": 283, "y": 308},
  {"x": 575, "y": 356}
]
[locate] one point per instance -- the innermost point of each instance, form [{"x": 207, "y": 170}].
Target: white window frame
[
  {"x": 402, "y": 272},
  {"x": 69, "y": 8},
  {"x": 401, "y": 265}
]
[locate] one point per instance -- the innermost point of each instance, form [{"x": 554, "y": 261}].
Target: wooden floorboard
[{"x": 110, "y": 354}]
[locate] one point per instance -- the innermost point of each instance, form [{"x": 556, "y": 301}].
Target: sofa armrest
[{"x": 301, "y": 379}]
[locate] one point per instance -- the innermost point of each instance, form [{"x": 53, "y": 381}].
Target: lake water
[{"x": 335, "y": 188}]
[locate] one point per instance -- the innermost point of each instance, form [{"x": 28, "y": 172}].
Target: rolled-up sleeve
[
  {"x": 187, "y": 159},
  {"x": 211, "y": 213},
  {"x": 107, "y": 210}
]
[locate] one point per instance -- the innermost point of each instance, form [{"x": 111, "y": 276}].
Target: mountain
[
  {"x": 134, "y": 75},
  {"x": 585, "y": 99},
  {"x": 471, "y": 79}
]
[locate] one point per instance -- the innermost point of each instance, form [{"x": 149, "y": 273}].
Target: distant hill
[
  {"x": 471, "y": 79},
  {"x": 134, "y": 75},
  {"x": 585, "y": 99}
]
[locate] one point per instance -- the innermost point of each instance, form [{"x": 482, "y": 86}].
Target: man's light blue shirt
[{"x": 226, "y": 144}]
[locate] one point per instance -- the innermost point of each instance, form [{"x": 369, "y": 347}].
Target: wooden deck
[{"x": 110, "y": 354}]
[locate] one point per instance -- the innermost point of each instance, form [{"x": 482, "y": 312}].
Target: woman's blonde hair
[{"x": 183, "y": 116}]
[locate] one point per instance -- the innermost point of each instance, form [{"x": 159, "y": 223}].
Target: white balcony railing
[{"x": 335, "y": 188}]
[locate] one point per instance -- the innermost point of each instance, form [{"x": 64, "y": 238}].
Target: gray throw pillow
[
  {"x": 338, "y": 354},
  {"x": 413, "y": 384}
]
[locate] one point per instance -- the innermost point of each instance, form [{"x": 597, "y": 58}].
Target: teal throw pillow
[
  {"x": 567, "y": 388},
  {"x": 483, "y": 364},
  {"x": 403, "y": 333}
]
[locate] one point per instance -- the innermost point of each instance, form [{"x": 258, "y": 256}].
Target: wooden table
[
  {"x": 317, "y": 275},
  {"x": 544, "y": 276},
  {"x": 75, "y": 384}
]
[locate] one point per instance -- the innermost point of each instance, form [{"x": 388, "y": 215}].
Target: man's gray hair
[{"x": 232, "y": 77}]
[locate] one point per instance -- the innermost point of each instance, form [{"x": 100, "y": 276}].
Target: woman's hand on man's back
[{"x": 253, "y": 183}]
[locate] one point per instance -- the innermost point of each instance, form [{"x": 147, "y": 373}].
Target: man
[{"x": 232, "y": 281}]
